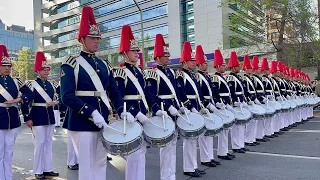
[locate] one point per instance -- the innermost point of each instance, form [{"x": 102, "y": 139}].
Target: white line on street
[
  {"x": 285, "y": 155},
  {"x": 304, "y": 131},
  {"x": 314, "y": 121}
]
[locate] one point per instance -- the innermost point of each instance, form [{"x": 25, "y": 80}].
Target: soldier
[
  {"x": 41, "y": 119},
  {"x": 223, "y": 100},
  {"x": 269, "y": 93},
  {"x": 132, "y": 86},
  {"x": 250, "y": 93},
  {"x": 260, "y": 92},
  {"x": 205, "y": 142},
  {"x": 191, "y": 97},
  {"x": 163, "y": 86},
  {"x": 237, "y": 95},
  {"x": 9, "y": 115},
  {"x": 86, "y": 83}
]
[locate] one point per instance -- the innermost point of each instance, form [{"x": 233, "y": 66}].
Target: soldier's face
[
  {"x": 236, "y": 69},
  {"x": 5, "y": 70},
  {"x": 190, "y": 64},
  {"x": 203, "y": 66},
  {"x": 164, "y": 60},
  {"x": 133, "y": 56},
  {"x": 248, "y": 71},
  {"x": 91, "y": 44},
  {"x": 43, "y": 74},
  {"x": 221, "y": 68}
]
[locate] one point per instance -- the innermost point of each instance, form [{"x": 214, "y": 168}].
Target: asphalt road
[{"x": 294, "y": 155}]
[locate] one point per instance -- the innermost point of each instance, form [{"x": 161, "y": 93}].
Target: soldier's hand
[
  {"x": 98, "y": 119},
  {"x": 53, "y": 103},
  {"x": 173, "y": 111},
  {"x": 29, "y": 123},
  {"x": 128, "y": 116},
  {"x": 13, "y": 101}
]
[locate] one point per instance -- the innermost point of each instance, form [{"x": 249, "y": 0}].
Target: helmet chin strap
[{"x": 127, "y": 59}]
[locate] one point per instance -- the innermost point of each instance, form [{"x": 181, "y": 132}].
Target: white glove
[
  {"x": 128, "y": 117},
  {"x": 212, "y": 107},
  {"x": 194, "y": 110},
  {"x": 162, "y": 113},
  {"x": 237, "y": 104},
  {"x": 257, "y": 101},
  {"x": 288, "y": 97},
  {"x": 220, "y": 105},
  {"x": 98, "y": 119},
  {"x": 184, "y": 110},
  {"x": 250, "y": 102},
  {"x": 228, "y": 107},
  {"x": 265, "y": 100},
  {"x": 173, "y": 111},
  {"x": 244, "y": 104},
  {"x": 205, "y": 111},
  {"x": 279, "y": 98},
  {"x": 142, "y": 118}
]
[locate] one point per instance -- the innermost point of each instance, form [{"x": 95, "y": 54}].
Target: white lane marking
[
  {"x": 285, "y": 155},
  {"x": 314, "y": 121},
  {"x": 304, "y": 131}
]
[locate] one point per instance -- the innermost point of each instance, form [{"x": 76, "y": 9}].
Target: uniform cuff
[{"x": 86, "y": 111}]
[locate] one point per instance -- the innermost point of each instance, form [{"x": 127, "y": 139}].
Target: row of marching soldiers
[{"x": 88, "y": 83}]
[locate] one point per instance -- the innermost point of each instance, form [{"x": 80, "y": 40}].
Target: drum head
[
  {"x": 133, "y": 130},
  {"x": 285, "y": 104},
  {"x": 196, "y": 120},
  {"x": 275, "y": 104},
  {"x": 215, "y": 124},
  {"x": 226, "y": 116},
  {"x": 242, "y": 113},
  {"x": 292, "y": 104},
  {"x": 153, "y": 131},
  {"x": 256, "y": 109},
  {"x": 269, "y": 109}
]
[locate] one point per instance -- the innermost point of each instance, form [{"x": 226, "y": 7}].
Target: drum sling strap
[
  {"x": 168, "y": 82},
  {"x": 188, "y": 78},
  {"x": 41, "y": 91},
  {"x": 203, "y": 79}
]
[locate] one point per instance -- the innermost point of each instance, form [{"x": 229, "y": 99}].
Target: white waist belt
[
  {"x": 224, "y": 94},
  {"x": 260, "y": 91},
  {"x": 40, "y": 104},
  {"x": 90, "y": 93},
  {"x": 171, "y": 96},
  {"x": 132, "y": 97},
  {"x": 207, "y": 97},
  {"x": 192, "y": 96},
  {"x": 269, "y": 91},
  {"x": 238, "y": 93},
  {"x": 8, "y": 105}
]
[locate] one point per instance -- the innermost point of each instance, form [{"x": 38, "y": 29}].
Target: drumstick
[
  {"x": 32, "y": 132},
  {"x": 206, "y": 114},
  {"x": 125, "y": 119},
  {"x": 240, "y": 105},
  {"x": 158, "y": 126},
  {"x": 184, "y": 119},
  {"x": 185, "y": 112},
  {"x": 163, "y": 121},
  {"x": 109, "y": 127},
  {"x": 222, "y": 103}
]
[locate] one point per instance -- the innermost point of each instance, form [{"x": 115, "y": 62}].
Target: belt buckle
[{"x": 97, "y": 94}]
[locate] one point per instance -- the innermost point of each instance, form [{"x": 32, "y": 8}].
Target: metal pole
[{"x": 142, "y": 33}]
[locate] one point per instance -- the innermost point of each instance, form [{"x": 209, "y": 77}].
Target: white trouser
[
  {"x": 299, "y": 110},
  {"x": 260, "y": 129},
  {"x": 168, "y": 161},
  {"x": 189, "y": 155},
  {"x": 42, "y": 141},
  {"x": 237, "y": 136},
  {"x": 268, "y": 126},
  {"x": 206, "y": 148},
  {"x": 310, "y": 111},
  {"x": 91, "y": 154},
  {"x": 72, "y": 157},
  {"x": 250, "y": 131},
  {"x": 286, "y": 118},
  {"x": 282, "y": 120},
  {"x": 223, "y": 143},
  {"x": 136, "y": 164},
  {"x": 7, "y": 140},
  {"x": 276, "y": 123},
  {"x": 304, "y": 114},
  {"x": 57, "y": 117}
]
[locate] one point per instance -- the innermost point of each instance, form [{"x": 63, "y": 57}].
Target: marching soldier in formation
[
  {"x": 41, "y": 119},
  {"x": 237, "y": 91},
  {"x": 140, "y": 103},
  {"x": 250, "y": 93},
  {"x": 162, "y": 84},
  {"x": 192, "y": 99},
  {"x": 9, "y": 114},
  {"x": 223, "y": 100},
  {"x": 206, "y": 86},
  {"x": 86, "y": 83}
]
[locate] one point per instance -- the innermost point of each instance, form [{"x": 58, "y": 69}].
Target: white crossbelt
[
  {"x": 203, "y": 79},
  {"x": 193, "y": 85},
  {"x": 5, "y": 94},
  {"x": 41, "y": 91},
  {"x": 170, "y": 86}
]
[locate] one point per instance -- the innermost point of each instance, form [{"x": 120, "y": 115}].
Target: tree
[
  {"x": 147, "y": 44},
  {"x": 23, "y": 67},
  {"x": 292, "y": 28}
]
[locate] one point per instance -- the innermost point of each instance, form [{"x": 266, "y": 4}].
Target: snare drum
[
  {"x": 117, "y": 143},
  {"x": 276, "y": 105},
  {"x": 214, "y": 125},
  {"x": 270, "y": 110},
  {"x": 242, "y": 115},
  {"x": 191, "y": 130},
  {"x": 157, "y": 136},
  {"x": 292, "y": 105},
  {"x": 257, "y": 111},
  {"x": 227, "y": 117},
  {"x": 285, "y": 106}
]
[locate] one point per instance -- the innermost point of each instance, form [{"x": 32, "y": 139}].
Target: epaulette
[
  {"x": 20, "y": 83},
  {"x": 119, "y": 72},
  {"x": 197, "y": 76},
  {"x": 55, "y": 84},
  {"x": 179, "y": 74},
  {"x": 110, "y": 67},
  {"x": 151, "y": 74},
  {"x": 215, "y": 78},
  {"x": 230, "y": 78},
  {"x": 29, "y": 83},
  {"x": 71, "y": 61}
]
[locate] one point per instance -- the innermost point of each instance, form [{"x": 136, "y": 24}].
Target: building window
[{"x": 187, "y": 21}]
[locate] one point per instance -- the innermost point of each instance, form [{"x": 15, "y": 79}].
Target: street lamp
[{"x": 142, "y": 34}]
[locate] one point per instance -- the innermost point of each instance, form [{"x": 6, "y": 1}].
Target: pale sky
[{"x": 18, "y": 12}]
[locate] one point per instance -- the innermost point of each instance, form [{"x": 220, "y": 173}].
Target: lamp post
[{"x": 142, "y": 34}]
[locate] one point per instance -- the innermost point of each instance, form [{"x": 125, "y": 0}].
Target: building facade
[
  {"x": 15, "y": 37},
  {"x": 201, "y": 22}
]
